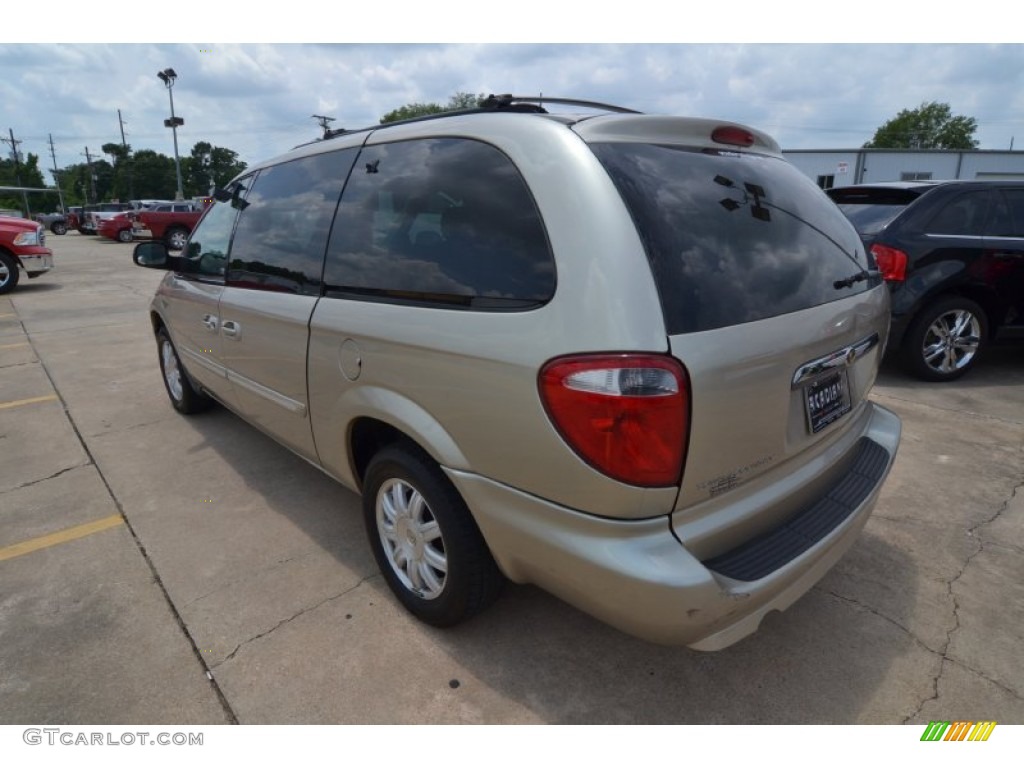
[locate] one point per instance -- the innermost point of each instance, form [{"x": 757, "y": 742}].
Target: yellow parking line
[
  {"x": 60, "y": 537},
  {"x": 12, "y": 346},
  {"x": 27, "y": 401}
]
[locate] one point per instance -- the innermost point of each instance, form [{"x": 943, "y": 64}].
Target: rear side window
[
  {"x": 1009, "y": 219},
  {"x": 281, "y": 234},
  {"x": 445, "y": 222},
  {"x": 733, "y": 238},
  {"x": 964, "y": 215}
]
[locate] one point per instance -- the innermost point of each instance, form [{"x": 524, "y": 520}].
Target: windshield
[{"x": 733, "y": 237}]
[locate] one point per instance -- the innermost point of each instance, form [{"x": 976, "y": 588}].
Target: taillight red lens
[
  {"x": 625, "y": 415},
  {"x": 892, "y": 262},
  {"x": 731, "y": 134}
]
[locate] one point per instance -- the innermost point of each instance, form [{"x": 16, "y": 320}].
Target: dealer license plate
[{"x": 827, "y": 400}]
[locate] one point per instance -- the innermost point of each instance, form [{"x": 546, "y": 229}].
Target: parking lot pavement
[{"x": 239, "y": 586}]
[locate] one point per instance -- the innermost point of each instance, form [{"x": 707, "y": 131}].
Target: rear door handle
[
  {"x": 231, "y": 329},
  {"x": 210, "y": 321}
]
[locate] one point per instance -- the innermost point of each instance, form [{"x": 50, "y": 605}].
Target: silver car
[{"x": 623, "y": 357}]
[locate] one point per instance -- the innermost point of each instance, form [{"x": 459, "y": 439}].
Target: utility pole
[
  {"x": 17, "y": 169},
  {"x": 56, "y": 177},
  {"x": 324, "y": 122},
  {"x": 92, "y": 178},
  {"x": 127, "y": 159}
]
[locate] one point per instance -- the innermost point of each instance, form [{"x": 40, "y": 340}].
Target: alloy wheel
[
  {"x": 951, "y": 341},
  {"x": 172, "y": 372},
  {"x": 411, "y": 538}
]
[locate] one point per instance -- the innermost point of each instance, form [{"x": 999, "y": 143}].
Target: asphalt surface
[{"x": 162, "y": 569}]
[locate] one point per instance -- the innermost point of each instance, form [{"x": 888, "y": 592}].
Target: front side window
[
  {"x": 207, "y": 251},
  {"x": 443, "y": 222},
  {"x": 282, "y": 231}
]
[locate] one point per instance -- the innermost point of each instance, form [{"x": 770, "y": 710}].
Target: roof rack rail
[{"x": 505, "y": 102}]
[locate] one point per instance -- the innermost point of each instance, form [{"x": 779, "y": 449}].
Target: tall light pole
[{"x": 169, "y": 76}]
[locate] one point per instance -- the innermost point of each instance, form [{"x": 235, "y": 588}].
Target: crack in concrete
[
  {"x": 247, "y": 577},
  {"x": 48, "y": 477},
  {"x": 18, "y": 365},
  {"x": 118, "y": 430},
  {"x": 281, "y": 623},
  {"x": 956, "y": 608},
  {"x": 864, "y": 607}
]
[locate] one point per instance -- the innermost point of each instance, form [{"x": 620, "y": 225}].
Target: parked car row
[{"x": 167, "y": 220}]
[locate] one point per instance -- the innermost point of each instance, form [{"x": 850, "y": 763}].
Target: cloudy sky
[{"x": 258, "y": 98}]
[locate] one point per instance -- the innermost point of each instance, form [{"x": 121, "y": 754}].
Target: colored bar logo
[{"x": 959, "y": 730}]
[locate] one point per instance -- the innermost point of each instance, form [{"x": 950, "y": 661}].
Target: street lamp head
[{"x": 168, "y": 76}]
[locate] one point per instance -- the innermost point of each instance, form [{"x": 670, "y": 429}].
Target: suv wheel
[
  {"x": 944, "y": 340},
  {"x": 125, "y": 235},
  {"x": 8, "y": 273},
  {"x": 184, "y": 397},
  {"x": 176, "y": 239},
  {"x": 59, "y": 228},
  {"x": 426, "y": 543}
]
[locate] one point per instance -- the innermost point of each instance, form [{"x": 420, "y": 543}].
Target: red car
[{"x": 117, "y": 227}]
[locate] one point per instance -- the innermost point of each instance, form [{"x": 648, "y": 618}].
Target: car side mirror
[{"x": 153, "y": 255}]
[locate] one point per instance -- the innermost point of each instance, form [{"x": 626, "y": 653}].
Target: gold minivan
[{"x": 623, "y": 357}]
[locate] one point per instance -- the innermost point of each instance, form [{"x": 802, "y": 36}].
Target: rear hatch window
[
  {"x": 871, "y": 210},
  {"x": 732, "y": 237}
]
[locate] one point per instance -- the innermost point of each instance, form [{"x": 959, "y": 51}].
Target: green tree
[
  {"x": 154, "y": 175},
  {"x": 458, "y": 100},
  {"x": 930, "y": 126},
  {"x": 25, "y": 173},
  {"x": 122, "y": 186},
  {"x": 208, "y": 166}
]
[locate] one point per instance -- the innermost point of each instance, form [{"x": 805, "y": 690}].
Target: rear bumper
[{"x": 637, "y": 576}]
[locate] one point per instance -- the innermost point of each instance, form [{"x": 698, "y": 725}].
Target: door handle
[
  {"x": 210, "y": 321},
  {"x": 231, "y": 329}
]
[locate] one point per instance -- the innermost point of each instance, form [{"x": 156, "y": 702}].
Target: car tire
[
  {"x": 425, "y": 541},
  {"x": 9, "y": 274},
  {"x": 175, "y": 238},
  {"x": 125, "y": 235},
  {"x": 59, "y": 228},
  {"x": 184, "y": 397},
  {"x": 945, "y": 339}
]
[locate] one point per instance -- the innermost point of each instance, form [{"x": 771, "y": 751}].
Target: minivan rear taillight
[
  {"x": 626, "y": 415},
  {"x": 892, "y": 262}
]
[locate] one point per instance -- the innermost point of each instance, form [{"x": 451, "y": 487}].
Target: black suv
[{"x": 953, "y": 255}]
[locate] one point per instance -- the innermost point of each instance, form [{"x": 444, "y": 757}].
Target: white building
[{"x": 842, "y": 167}]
